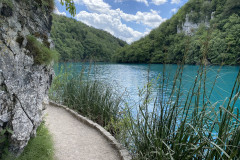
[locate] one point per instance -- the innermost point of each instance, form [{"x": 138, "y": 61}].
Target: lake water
[{"x": 131, "y": 77}]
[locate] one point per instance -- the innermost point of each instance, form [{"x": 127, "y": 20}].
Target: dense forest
[
  {"x": 215, "y": 41},
  {"x": 75, "y": 41}
]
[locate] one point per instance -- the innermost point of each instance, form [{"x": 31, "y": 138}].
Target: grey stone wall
[{"x": 23, "y": 84}]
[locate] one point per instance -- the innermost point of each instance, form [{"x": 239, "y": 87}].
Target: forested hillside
[
  {"x": 75, "y": 41},
  {"x": 216, "y": 39}
]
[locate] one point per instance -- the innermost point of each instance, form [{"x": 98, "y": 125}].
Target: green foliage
[
  {"x": 38, "y": 148},
  {"x": 8, "y": 3},
  {"x": 41, "y": 54},
  {"x": 182, "y": 125},
  {"x": 70, "y": 6},
  {"x": 172, "y": 124},
  {"x": 165, "y": 45},
  {"x": 76, "y": 41},
  {"x": 4, "y": 143},
  {"x": 91, "y": 98},
  {"x": 48, "y": 3}
]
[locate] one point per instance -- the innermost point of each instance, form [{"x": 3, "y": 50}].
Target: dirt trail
[{"x": 74, "y": 140}]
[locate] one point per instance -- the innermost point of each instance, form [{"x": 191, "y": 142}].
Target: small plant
[
  {"x": 38, "y": 148},
  {"x": 46, "y": 3},
  {"x": 9, "y": 3},
  {"x": 41, "y": 54},
  {"x": 4, "y": 143}
]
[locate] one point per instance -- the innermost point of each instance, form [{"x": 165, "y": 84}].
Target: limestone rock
[
  {"x": 188, "y": 27},
  {"x": 23, "y": 84}
]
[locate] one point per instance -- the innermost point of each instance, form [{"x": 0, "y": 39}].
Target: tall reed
[
  {"x": 90, "y": 97},
  {"x": 179, "y": 124},
  {"x": 174, "y": 124}
]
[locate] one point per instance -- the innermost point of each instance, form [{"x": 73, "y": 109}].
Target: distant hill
[
  {"x": 206, "y": 30},
  {"x": 76, "y": 41}
]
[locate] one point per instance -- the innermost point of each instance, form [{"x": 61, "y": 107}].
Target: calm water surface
[{"x": 131, "y": 77}]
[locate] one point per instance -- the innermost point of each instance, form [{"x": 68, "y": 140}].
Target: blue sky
[{"x": 128, "y": 20}]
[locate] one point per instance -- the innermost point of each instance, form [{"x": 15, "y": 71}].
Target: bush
[{"x": 41, "y": 54}]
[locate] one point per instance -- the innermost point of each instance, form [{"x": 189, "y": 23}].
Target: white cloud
[
  {"x": 143, "y": 1},
  {"x": 56, "y": 11},
  {"x": 98, "y": 6},
  {"x": 111, "y": 24},
  {"x": 118, "y": 1},
  {"x": 151, "y": 19},
  {"x": 101, "y": 16},
  {"x": 159, "y": 2},
  {"x": 175, "y": 1},
  {"x": 174, "y": 10},
  {"x": 78, "y": 1}
]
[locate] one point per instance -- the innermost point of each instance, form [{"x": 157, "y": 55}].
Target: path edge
[{"x": 124, "y": 154}]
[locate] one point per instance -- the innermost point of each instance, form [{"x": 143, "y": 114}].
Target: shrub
[{"x": 41, "y": 54}]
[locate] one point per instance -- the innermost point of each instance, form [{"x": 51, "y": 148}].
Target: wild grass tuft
[
  {"x": 48, "y": 3},
  {"x": 188, "y": 126},
  {"x": 41, "y": 54},
  {"x": 38, "y": 148},
  {"x": 9, "y": 3},
  {"x": 174, "y": 124},
  {"x": 91, "y": 98}
]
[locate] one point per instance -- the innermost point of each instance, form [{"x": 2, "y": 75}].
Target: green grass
[
  {"x": 48, "y": 3},
  {"x": 91, "y": 98},
  {"x": 184, "y": 127},
  {"x": 38, "y": 148},
  {"x": 175, "y": 124},
  {"x": 41, "y": 54},
  {"x": 8, "y": 3}
]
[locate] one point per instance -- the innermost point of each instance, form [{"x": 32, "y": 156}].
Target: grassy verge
[{"x": 38, "y": 148}]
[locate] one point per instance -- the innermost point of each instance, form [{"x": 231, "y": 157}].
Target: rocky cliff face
[
  {"x": 188, "y": 27},
  {"x": 23, "y": 84}
]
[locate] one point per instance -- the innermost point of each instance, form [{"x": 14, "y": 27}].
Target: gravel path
[{"x": 74, "y": 140}]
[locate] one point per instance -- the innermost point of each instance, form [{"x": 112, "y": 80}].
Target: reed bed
[
  {"x": 186, "y": 126},
  {"x": 90, "y": 97},
  {"x": 174, "y": 124}
]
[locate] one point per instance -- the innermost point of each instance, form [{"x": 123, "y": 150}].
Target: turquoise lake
[{"x": 129, "y": 78}]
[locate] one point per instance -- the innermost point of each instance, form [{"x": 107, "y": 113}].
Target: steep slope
[
  {"x": 24, "y": 82},
  {"x": 206, "y": 30},
  {"x": 76, "y": 41}
]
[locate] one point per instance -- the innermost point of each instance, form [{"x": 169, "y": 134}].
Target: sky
[{"x": 128, "y": 20}]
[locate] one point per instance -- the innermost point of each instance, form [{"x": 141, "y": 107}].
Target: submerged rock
[{"x": 23, "y": 84}]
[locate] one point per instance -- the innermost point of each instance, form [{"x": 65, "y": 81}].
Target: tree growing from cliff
[{"x": 70, "y": 6}]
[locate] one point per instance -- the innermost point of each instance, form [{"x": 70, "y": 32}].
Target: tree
[{"x": 70, "y": 6}]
